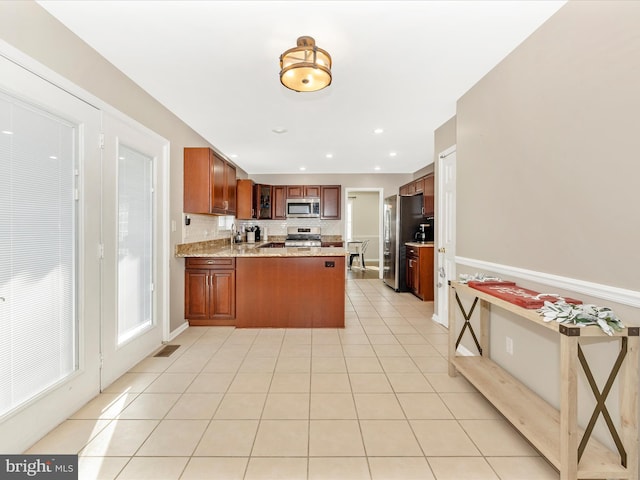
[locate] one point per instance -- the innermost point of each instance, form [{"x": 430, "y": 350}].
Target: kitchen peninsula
[{"x": 257, "y": 286}]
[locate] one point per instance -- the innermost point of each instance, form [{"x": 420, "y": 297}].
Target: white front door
[
  {"x": 133, "y": 268},
  {"x": 49, "y": 260},
  {"x": 446, "y": 241}
]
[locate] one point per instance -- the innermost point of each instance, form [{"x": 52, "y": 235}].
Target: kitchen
[
  {"x": 292, "y": 295},
  {"x": 493, "y": 188}
]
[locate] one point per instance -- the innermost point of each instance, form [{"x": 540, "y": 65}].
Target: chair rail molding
[{"x": 606, "y": 292}]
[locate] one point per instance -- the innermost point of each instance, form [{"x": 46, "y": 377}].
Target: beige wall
[
  {"x": 547, "y": 147},
  {"x": 547, "y": 143},
  {"x": 444, "y": 137},
  {"x": 29, "y": 28}
]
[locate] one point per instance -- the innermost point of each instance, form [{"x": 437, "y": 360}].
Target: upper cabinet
[
  {"x": 303, "y": 191},
  {"x": 279, "y": 199},
  {"x": 330, "y": 202},
  {"x": 429, "y": 196},
  {"x": 244, "y": 197},
  {"x": 209, "y": 182},
  {"x": 263, "y": 202},
  {"x": 422, "y": 186}
]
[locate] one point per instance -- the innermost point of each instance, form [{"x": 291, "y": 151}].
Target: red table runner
[{"x": 512, "y": 293}]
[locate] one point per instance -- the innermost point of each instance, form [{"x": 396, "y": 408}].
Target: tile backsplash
[{"x": 212, "y": 227}]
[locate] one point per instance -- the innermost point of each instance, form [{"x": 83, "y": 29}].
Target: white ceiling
[{"x": 397, "y": 65}]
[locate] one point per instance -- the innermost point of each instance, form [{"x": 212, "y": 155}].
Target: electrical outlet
[{"x": 509, "y": 345}]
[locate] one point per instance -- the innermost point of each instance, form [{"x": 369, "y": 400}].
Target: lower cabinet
[
  {"x": 210, "y": 291},
  {"x": 420, "y": 271}
]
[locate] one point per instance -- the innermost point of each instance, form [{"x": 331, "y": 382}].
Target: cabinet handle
[{"x": 209, "y": 262}]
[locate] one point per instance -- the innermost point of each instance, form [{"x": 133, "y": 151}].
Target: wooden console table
[{"x": 555, "y": 434}]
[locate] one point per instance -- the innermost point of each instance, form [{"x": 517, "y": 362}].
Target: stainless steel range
[{"x": 303, "y": 237}]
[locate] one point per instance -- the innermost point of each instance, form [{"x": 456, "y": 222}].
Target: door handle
[{"x": 442, "y": 250}]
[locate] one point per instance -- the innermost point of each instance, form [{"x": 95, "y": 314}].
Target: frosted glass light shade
[{"x": 305, "y": 68}]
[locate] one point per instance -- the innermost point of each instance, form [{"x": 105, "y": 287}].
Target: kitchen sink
[{"x": 272, "y": 245}]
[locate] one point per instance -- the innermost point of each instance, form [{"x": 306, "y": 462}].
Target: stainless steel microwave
[{"x": 303, "y": 207}]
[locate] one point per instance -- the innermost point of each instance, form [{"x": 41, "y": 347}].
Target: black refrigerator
[{"x": 402, "y": 217}]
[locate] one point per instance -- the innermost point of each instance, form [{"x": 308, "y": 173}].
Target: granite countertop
[
  {"x": 419, "y": 244},
  {"x": 223, "y": 248}
]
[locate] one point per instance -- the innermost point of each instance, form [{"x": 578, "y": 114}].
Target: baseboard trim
[
  {"x": 178, "y": 331},
  {"x": 598, "y": 290}
]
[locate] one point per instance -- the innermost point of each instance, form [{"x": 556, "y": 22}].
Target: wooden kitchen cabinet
[
  {"x": 209, "y": 183},
  {"x": 330, "y": 202},
  {"x": 253, "y": 200},
  {"x": 291, "y": 292},
  {"x": 262, "y": 201},
  {"x": 244, "y": 197},
  {"x": 420, "y": 271},
  {"x": 428, "y": 196},
  {"x": 210, "y": 291},
  {"x": 279, "y": 199},
  {"x": 303, "y": 191}
]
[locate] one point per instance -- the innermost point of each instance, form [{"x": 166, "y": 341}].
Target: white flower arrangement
[
  {"x": 581, "y": 315},
  {"x": 477, "y": 277}
]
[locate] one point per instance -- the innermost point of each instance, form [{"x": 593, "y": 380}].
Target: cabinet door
[
  {"x": 428, "y": 197},
  {"x": 312, "y": 191},
  {"x": 279, "y": 202},
  {"x": 330, "y": 202},
  {"x": 218, "y": 187},
  {"x": 262, "y": 201},
  {"x": 196, "y": 294},
  {"x": 230, "y": 189},
  {"x": 244, "y": 200},
  {"x": 418, "y": 186},
  {"x": 222, "y": 294},
  {"x": 413, "y": 275},
  {"x": 197, "y": 181},
  {"x": 295, "y": 191},
  {"x": 404, "y": 190},
  {"x": 426, "y": 274}
]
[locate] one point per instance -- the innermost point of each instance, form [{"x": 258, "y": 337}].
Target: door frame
[
  {"x": 441, "y": 298},
  {"x": 135, "y": 132},
  {"x": 380, "y": 191},
  {"x": 29, "y": 422}
]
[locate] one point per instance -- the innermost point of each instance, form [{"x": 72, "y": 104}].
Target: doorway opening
[{"x": 363, "y": 227}]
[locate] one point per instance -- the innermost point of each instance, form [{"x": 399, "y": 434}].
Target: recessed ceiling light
[
  {"x": 376, "y": 168},
  {"x": 302, "y": 169},
  {"x": 392, "y": 154},
  {"x": 7, "y": 132},
  {"x": 53, "y": 157},
  {"x": 279, "y": 130},
  {"x": 329, "y": 155},
  {"x": 233, "y": 155},
  {"x": 378, "y": 131}
]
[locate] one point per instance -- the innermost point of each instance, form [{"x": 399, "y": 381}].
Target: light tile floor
[{"x": 372, "y": 401}]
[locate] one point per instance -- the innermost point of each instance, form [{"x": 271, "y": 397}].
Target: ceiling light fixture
[
  {"x": 329, "y": 155},
  {"x": 305, "y": 68},
  {"x": 378, "y": 131}
]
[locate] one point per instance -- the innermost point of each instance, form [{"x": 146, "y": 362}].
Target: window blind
[{"x": 38, "y": 325}]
